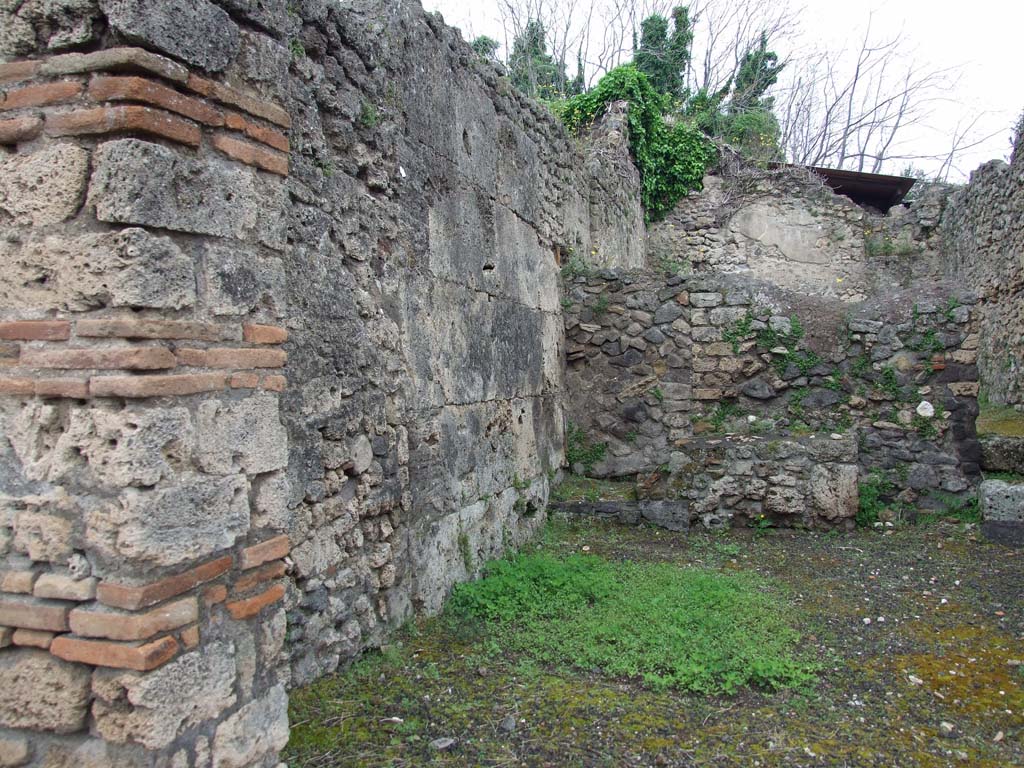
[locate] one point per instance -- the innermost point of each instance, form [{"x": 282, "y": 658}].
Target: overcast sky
[{"x": 981, "y": 38}]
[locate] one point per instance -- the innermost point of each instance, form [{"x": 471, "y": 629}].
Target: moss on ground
[
  {"x": 944, "y": 642},
  {"x": 578, "y": 488}
]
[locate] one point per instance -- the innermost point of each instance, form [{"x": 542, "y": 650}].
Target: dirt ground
[{"x": 920, "y": 633}]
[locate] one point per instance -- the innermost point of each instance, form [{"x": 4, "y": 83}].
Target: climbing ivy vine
[{"x": 671, "y": 157}]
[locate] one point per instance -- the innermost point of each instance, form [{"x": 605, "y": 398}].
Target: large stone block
[
  {"x": 833, "y": 490},
  {"x": 255, "y": 731},
  {"x": 42, "y": 536},
  {"x": 198, "y": 517},
  {"x": 42, "y": 693},
  {"x": 44, "y": 187},
  {"x": 238, "y": 281},
  {"x": 195, "y": 31},
  {"x": 123, "y": 448},
  {"x": 244, "y": 435},
  {"x": 1002, "y": 454},
  {"x": 137, "y": 182},
  {"x": 1002, "y": 501},
  {"x": 152, "y": 709},
  {"x": 130, "y": 268},
  {"x": 51, "y": 24}
]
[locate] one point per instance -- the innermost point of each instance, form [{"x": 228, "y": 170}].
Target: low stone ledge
[
  {"x": 671, "y": 515},
  {"x": 1002, "y": 454}
]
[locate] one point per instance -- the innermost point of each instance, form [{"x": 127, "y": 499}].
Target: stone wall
[
  {"x": 786, "y": 227},
  {"x": 658, "y": 364},
  {"x": 282, "y": 353},
  {"x": 983, "y": 242}
]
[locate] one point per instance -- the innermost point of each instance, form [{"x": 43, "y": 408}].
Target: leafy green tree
[
  {"x": 531, "y": 68},
  {"x": 486, "y": 47},
  {"x": 758, "y": 71},
  {"x": 663, "y": 56},
  {"x": 671, "y": 157}
]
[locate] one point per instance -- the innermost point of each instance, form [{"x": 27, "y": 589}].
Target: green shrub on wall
[{"x": 671, "y": 158}]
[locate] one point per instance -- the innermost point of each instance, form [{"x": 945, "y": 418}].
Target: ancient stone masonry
[
  {"x": 690, "y": 379},
  {"x": 283, "y": 354},
  {"x": 983, "y": 238},
  {"x": 281, "y": 350},
  {"x": 786, "y": 227},
  {"x": 142, "y": 590}
]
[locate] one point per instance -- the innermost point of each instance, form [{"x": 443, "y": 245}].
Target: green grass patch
[
  {"x": 578, "y": 488},
  {"x": 671, "y": 627}
]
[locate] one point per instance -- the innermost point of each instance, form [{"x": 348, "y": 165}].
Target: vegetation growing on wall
[{"x": 671, "y": 157}]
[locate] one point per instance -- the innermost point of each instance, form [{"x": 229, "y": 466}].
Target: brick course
[
  {"x": 155, "y": 386},
  {"x": 35, "y": 330},
  {"x": 129, "y": 358},
  {"x": 264, "y": 552},
  {"x": 232, "y": 358},
  {"x": 98, "y": 622},
  {"x": 20, "y": 129},
  {"x": 141, "y": 658},
  {"x": 134, "y": 597},
  {"x": 141, "y": 89},
  {"x": 101, "y": 120},
  {"x": 154, "y": 329},
  {"x": 39, "y": 95},
  {"x": 252, "y": 154},
  {"x": 249, "y": 607}
]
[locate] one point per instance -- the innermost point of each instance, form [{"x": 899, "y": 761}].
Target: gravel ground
[{"x": 920, "y": 632}]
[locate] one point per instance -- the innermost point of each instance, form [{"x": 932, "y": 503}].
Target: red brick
[
  {"x": 254, "y": 578},
  {"x": 62, "y": 587},
  {"x": 99, "y": 653},
  {"x": 15, "y": 71},
  {"x": 9, "y": 354},
  {"x": 190, "y": 637},
  {"x": 40, "y": 95},
  {"x": 252, "y": 154},
  {"x": 264, "y": 334},
  {"x": 17, "y": 386},
  {"x": 120, "y": 119},
  {"x": 125, "y": 358},
  {"x": 236, "y": 98},
  {"x": 232, "y": 358},
  {"x": 36, "y": 330},
  {"x": 93, "y": 622},
  {"x": 267, "y": 136},
  {"x": 131, "y": 598},
  {"x": 264, "y": 552},
  {"x": 141, "y": 89},
  {"x": 33, "y": 638},
  {"x": 137, "y": 59},
  {"x": 214, "y": 595},
  {"x": 77, "y": 389},
  {"x": 33, "y": 614},
  {"x": 249, "y": 607},
  {"x": 18, "y": 582},
  {"x": 154, "y": 329},
  {"x": 20, "y": 129},
  {"x": 245, "y": 380},
  {"x": 274, "y": 383},
  {"x": 156, "y": 386}
]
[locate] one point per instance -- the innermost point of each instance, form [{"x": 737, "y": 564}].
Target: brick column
[{"x": 142, "y": 492}]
